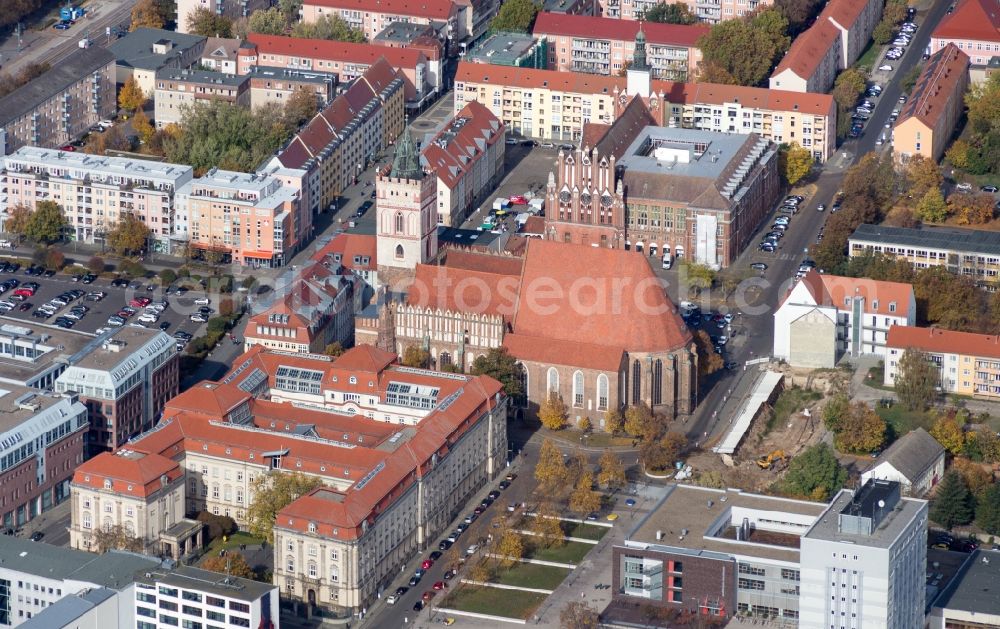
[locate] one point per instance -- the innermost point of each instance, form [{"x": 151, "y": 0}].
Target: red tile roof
[
  {"x": 831, "y": 290},
  {"x": 334, "y": 50},
  {"x": 594, "y": 27},
  {"x": 570, "y": 353},
  {"x": 678, "y": 93},
  {"x": 843, "y": 12},
  {"x": 130, "y": 474},
  {"x": 454, "y": 289},
  {"x": 452, "y": 154},
  {"x": 942, "y": 79},
  {"x": 435, "y": 9},
  {"x": 977, "y": 20},
  {"x": 809, "y": 49},
  {"x": 944, "y": 341},
  {"x": 485, "y": 263},
  {"x": 350, "y": 247},
  {"x": 365, "y": 358}
]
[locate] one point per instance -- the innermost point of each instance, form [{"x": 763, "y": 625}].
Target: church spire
[
  {"x": 406, "y": 161},
  {"x": 639, "y": 56}
]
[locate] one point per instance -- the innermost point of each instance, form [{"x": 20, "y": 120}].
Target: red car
[
  {"x": 428, "y": 595},
  {"x": 440, "y": 585},
  {"x": 427, "y": 564},
  {"x": 518, "y": 199},
  {"x": 68, "y": 147}
]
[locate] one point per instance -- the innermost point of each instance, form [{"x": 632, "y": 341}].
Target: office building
[
  {"x": 94, "y": 191},
  {"x": 61, "y": 104},
  {"x": 124, "y": 381},
  {"x": 928, "y": 119},
  {"x": 967, "y": 363}
]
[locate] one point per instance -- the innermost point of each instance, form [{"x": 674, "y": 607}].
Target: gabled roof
[
  {"x": 335, "y": 50},
  {"x": 912, "y": 454},
  {"x": 809, "y": 49},
  {"x": 941, "y": 341},
  {"x": 843, "y": 12},
  {"x": 833, "y": 290},
  {"x": 485, "y": 263},
  {"x": 939, "y": 82},
  {"x": 461, "y": 143},
  {"x": 618, "y": 136},
  {"x": 220, "y": 48},
  {"x": 434, "y": 9},
  {"x": 365, "y": 358},
  {"x": 595, "y": 27},
  {"x": 474, "y": 292},
  {"x": 977, "y": 20},
  {"x": 353, "y": 250},
  {"x": 130, "y": 473},
  {"x": 549, "y": 351}
]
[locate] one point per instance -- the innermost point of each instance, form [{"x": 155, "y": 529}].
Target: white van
[{"x": 667, "y": 262}]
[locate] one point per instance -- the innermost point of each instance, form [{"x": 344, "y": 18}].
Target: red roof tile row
[
  {"x": 941, "y": 341},
  {"x": 942, "y": 79},
  {"x": 975, "y": 20},
  {"x": 809, "y": 49},
  {"x": 329, "y": 50},
  {"x": 451, "y": 154},
  {"x": 434, "y": 9},
  {"x": 595, "y": 27}
]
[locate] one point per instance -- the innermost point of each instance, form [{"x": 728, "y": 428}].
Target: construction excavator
[{"x": 775, "y": 460}]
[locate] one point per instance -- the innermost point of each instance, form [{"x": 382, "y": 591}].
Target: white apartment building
[
  {"x": 93, "y": 191},
  {"x": 826, "y": 317},
  {"x": 708, "y": 11},
  {"x": 864, "y": 562}
]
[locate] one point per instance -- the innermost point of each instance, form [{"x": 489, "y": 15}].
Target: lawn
[
  {"x": 532, "y": 575},
  {"x": 903, "y": 421},
  {"x": 493, "y": 601},
  {"x": 233, "y": 541},
  {"x": 570, "y": 552},
  {"x": 867, "y": 59},
  {"x": 583, "y": 531}
]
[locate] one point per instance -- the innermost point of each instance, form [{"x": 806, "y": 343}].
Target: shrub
[{"x": 218, "y": 525}]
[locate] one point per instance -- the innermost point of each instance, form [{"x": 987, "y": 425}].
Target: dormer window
[
  {"x": 312, "y": 527},
  {"x": 353, "y": 380},
  {"x": 107, "y": 483},
  {"x": 892, "y": 306}
]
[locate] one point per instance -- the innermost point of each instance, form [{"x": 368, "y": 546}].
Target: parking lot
[
  {"x": 528, "y": 169},
  {"x": 176, "y": 316}
]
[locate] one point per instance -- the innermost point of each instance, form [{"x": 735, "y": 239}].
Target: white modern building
[
  {"x": 827, "y": 317},
  {"x": 863, "y": 562}
]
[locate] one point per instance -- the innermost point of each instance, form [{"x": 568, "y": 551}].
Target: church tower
[
  {"x": 406, "y": 201},
  {"x": 639, "y": 75}
]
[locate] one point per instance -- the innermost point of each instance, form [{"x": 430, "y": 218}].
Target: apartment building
[
  {"x": 812, "y": 62},
  {"x": 61, "y": 104},
  {"x": 551, "y": 105},
  {"x": 44, "y": 585},
  {"x": 968, "y": 364},
  {"x": 865, "y": 559},
  {"x": 707, "y": 11},
  {"x": 856, "y": 20},
  {"x": 315, "y": 310},
  {"x": 510, "y": 49},
  {"x": 467, "y": 156},
  {"x": 604, "y": 45},
  {"x": 451, "y": 19},
  {"x": 299, "y": 180},
  {"x": 928, "y": 119},
  {"x": 974, "y": 27},
  {"x": 41, "y": 443},
  {"x": 145, "y": 51},
  {"x": 358, "y": 253},
  {"x": 124, "y": 381},
  {"x": 270, "y": 85},
  {"x": 345, "y": 59},
  {"x": 231, "y": 9},
  {"x": 94, "y": 191},
  {"x": 970, "y": 252},
  {"x": 248, "y": 217},
  {"x": 341, "y": 140},
  {"x": 420, "y": 37},
  {"x": 826, "y": 317},
  {"x": 179, "y": 90},
  {"x": 220, "y": 55},
  {"x": 375, "y": 433}
]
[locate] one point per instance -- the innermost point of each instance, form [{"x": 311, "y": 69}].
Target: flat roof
[
  {"x": 976, "y": 587},
  {"x": 17, "y": 404},
  {"x": 402, "y": 32},
  {"x": 946, "y": 238},
  {"x": 701, "y": 512},
  {"x": 135, "y": 50},
  {"x": 707, "y": 152},
  {"x": 65, "y": 346},
  {"x": 113, "y": 569},
  {"x": 190, "y": 578},
  {"x": 466, "y": 237},
  {"x": 302, "y": 76},
  {"x": 502, "y": 48},
  {"x": 76, "y": 67},
  {"x": 889, "y": 527},
  {"x": 99, "y": 357},
  {"x": 64, "y": 611},
  {"x": 100, "y": 168},
  {"x": 204, "y": 77}
]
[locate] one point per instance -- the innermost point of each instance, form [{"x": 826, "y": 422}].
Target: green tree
[
  {"x": 129, "y": 235},
  {"x": 835, "y": 411},
  {"x": 697, "y": 276},
  {"x": 207, "y": 23},
  {"x": 846, "y": 88},
  {"x": 988, "y": 510},
  {"x": 131, "y": 98},
  {"x": 614, "y": 421},
  {"x": 96, "y": 265},
  {"x": 147, "y": 14},
  {"x": 958, "y": 154},
  {"x": 916, "y": 380},
  {"x": 552, "y": 412},
  {"x": 910, "y": 79},
  {"x": 290, "y": 8},
  {"x": 952, "y": 504},
  {"x": 516, "y": 16},
  {"x": 232, "y": 563},
  {"x": 331, "y": 27},
  {"x": 797, "y": 163},
  {"x": 922, "y": 174},
  {"x": 815, "y": 474},
  {"x": 676, "y": 13},
  {"x": 272, "y": 492},
  {"x": 415, "y": 356},
  {"x": 798, "y": 12},
  {"x": 46, "y": 223},
  {"x": 498, "y": 364},
  {"x": 883, "y": 33},
  {"x": 117, "y": 538},
  {"x": 300, "y": 108},
  {"x": 743, "y": 51},
  {"x": 268, "y": 21},
  {"x": 584, "y": 499}
]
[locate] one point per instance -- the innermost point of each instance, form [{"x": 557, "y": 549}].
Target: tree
[
  {"x": 988, "y": 510},
  {"x": 660, "y": 454},
  {"x": 798, "y": 161},
  {"x": 415, "y": 356},
  {"x": 743, "y": 51},
  {"x": 510, "y": 547},
  {"x": 952, "y": 504},
  {"x": 515, "y": 16},
  {"x": 498, "y": 364},
  {"x": 547, "y": 526},
  {"x": 290, "y": 8},
  {"x": 835, "y": 411},
  {"x": 18, "y": 217},
  {"x": 815, "y": 474},
  {"x": 711, "y": 478},
  {"x": 96, "y": 265},
  {"x": 639, "y": 421},
  {"x": 916, "y": 380},
  {"x": 334, "y": 349},
  {"x": 45, "y": 224},
  {"x": 698, "y": 276},
  {"x": 584, "y": 424},
  {"x": 550, "y": 471},
  {"x": 848, "y": 85},
  {"x": 552, "y": 412},
  {"x": 231, "y": 563},
  {"x": 709, "y": 360},
  {"x": 331, "y": 27},
  {"x": 798, "y": 12},
  {"x": 882, "y": 34},
  {"x": 129, "y": 235},
  {"x": 117, "y": 538},
  {"x": 614, "y": 421},
  {"x": 207, "y": 23},
  {"x": 167, "y": 277},
  {"x": 986, "y": 444},
  {"x": 577, "y": 614},
  {"x": 949, "y": 433},
  {"x": 272, "y": 492},
  {"x": 54, "y": 259},
  {"x": 958, "y": 154},
  {"x": 922, "y": 174},
  {"x": 976, "y": 478},
  {"x": 131, "y": 98},
  {"x": 584, "y": 499},
  {"x": 142, "y": 126},
  {"x": 932, "y": 208},
  {"x": 676, "y": 13},
  {"x": 300, "y": 108},
  {"x": 971, "y": 209},
  {"x": 612, "y": 472},
  {"x": 894, "y": 12},
  {"x": 147, "y": 14},
  {"x": 862, "y": 430},
  {"x": 268, "y": 21}
]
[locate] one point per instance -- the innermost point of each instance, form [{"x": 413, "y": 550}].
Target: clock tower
[{"x": 407, "y": 224}]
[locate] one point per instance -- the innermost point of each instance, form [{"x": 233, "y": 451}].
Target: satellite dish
[{"x": 881, "y": 504}]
